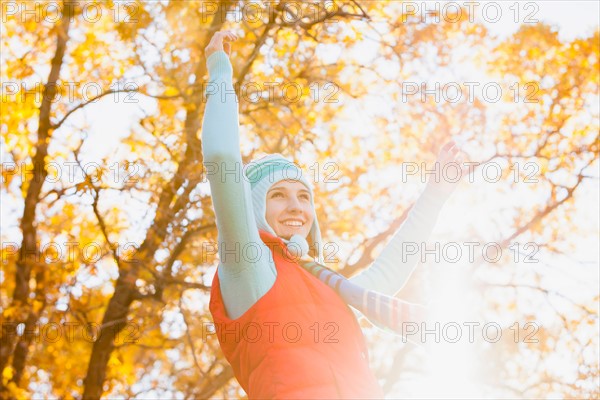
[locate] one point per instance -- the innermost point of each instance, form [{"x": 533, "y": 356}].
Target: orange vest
[{"x": 299, "y": 340}]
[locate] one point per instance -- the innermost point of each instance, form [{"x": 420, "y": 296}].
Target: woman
[{"x": 286, "y": 333}]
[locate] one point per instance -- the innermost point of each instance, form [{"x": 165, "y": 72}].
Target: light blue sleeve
[
  {"x": 246, "y": 270},
  {"x": 390, "y": 271}
]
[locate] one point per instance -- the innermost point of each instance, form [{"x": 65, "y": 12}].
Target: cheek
[
  {"x": 268, "y": 211},
  {"x": 271, "y": 211},
  {"x": 308, "y": 210}
]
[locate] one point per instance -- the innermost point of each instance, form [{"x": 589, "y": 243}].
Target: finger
[
  {"x": 220, "y": 36},
  {"x": 447, "y": 145},
  {"x": 229, "y": 34},
  {"x": 448, "y": 154}
]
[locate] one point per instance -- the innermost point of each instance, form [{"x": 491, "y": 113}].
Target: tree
[{"x": 117, "y": 257}]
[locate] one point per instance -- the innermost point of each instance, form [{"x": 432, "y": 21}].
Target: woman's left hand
[{"x": 450, "y": 168}]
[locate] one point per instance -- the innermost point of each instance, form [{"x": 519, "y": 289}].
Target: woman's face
[{"x": 289, "y": 209}]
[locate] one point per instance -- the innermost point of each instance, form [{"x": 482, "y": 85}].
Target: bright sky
[{"x": 572, "y": 18}]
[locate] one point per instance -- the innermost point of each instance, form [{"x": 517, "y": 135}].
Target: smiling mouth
[{"x": 293, "y": 223}]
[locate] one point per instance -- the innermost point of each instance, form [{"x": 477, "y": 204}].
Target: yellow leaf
[{"x": 7, "y": 374}]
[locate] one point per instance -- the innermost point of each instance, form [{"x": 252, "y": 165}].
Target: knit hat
[{"x": 264, "y": 173}]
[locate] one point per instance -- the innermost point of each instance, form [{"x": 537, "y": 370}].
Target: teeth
[{"x": 293, "y": 223}]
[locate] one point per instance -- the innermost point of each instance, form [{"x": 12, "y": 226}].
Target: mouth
[{"x": 293, "y": 223}]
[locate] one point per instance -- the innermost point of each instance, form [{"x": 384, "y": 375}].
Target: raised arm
[
  {"x": 242, "y": 282},
  {"x": 391, "y": 270}
]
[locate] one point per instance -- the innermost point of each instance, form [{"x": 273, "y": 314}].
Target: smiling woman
[
  {"x": 287, "y": 329},
  {"x": 282, "y": 203}
]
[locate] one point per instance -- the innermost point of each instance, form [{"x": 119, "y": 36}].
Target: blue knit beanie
[{"x": 264, "y": 173}]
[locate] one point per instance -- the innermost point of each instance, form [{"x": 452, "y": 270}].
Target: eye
[
  {"x": 276, "y": 194},
  {"x": 305, "y": 196}
]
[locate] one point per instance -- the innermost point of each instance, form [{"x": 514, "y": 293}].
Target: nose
[{"x": 294, "y": 205}]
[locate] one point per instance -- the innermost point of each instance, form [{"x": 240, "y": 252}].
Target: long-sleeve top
[{"x": 245, "y": 279}]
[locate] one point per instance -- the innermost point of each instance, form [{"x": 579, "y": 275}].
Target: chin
[{"x": 288, "y": 235}]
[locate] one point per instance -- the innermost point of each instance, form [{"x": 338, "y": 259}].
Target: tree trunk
[
  {"x": 28, "y": 253},
  {"x": 125, "y": 290},
  {"x": 114, "y": 321}
]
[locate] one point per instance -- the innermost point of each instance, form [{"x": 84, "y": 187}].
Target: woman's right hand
[{"x": 220, "y": 41}]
